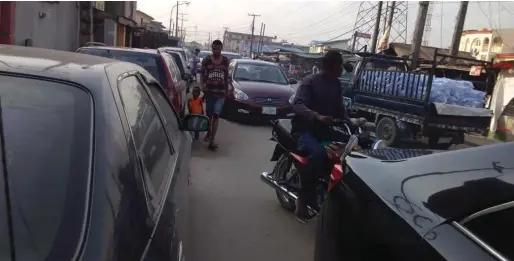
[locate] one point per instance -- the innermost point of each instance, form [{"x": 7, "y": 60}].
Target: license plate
[{"x": 269, "y": 110}]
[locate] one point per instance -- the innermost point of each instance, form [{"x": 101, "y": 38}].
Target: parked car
[
  {"x": 391, "y": 205},
  {"x": 231, "y": 56},
  {"x": 180, "y": 62},
  {"x": 108, "y": 176},
  {"x": 187, "y": 60},
  {"x": 201, "y": 55},
  {"x": 258, "y": 89},
  {"x": 159, "y": 64}
]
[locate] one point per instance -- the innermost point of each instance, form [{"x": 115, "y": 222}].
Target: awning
[{"x": 126, "y": 21}]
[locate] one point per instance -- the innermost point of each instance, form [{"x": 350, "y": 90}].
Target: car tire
[
  {"x": 337, "y": 230},
  {"x": 387, "y": 130}
]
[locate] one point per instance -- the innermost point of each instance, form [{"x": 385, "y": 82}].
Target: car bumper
[{"x": 250, "y": 109}]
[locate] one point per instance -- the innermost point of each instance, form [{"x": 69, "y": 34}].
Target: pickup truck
[{"x": 407, "y": 114}]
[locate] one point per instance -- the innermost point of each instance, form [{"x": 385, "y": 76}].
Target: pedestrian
[
  {"x": 196, "y": 60},
  {"x": 195, "y": 105},
  {"x": 315, "y": 68},
  {"x": 214, "y": 82}
]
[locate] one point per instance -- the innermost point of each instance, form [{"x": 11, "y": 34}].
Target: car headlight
[
  {"x": 291, "y": 99},
  {"x": 240, "y": 95}
]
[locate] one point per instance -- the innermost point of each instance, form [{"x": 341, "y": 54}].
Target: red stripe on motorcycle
[{"x": 300, "y": 159}]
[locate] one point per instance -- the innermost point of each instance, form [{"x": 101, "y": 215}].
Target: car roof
[
  {"x": 84, "y": 69},
  {"x": 125, "y": 49},
  {"x": 224, "y": 52},
  {"x": 256, "y": 62}
]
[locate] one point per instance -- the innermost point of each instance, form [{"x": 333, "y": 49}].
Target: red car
[
  {"x": 159, "y": 64},
  {"x": 258, "y": 89}
]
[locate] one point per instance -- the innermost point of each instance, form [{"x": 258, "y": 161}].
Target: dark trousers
[{"x": 316, "y": 167}]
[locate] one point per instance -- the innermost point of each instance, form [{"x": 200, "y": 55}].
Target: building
[
  {"x": 51, "y": 25},
  {"x": 484, "y": 44},
  {"x": 142, "y": 18},
  {"x": 232, "y": 41},
  {"x": 323, "y": 46}
]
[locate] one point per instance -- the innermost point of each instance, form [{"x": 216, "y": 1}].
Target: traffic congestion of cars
[{"x": 108, "y": 136}]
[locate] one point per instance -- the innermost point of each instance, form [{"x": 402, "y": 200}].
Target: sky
[{"x": 300, "y": 22}]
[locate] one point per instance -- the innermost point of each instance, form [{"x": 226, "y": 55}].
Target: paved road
[{"x": 234, "y": 215}]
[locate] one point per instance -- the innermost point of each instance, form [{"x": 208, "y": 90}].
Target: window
[
  {"x": 485, "y": 45},
  {"x": 151, "y": 62},
  {"x": 168, "y": 115},
  {"x": 148, "y": 133},
  {"x": 47, "y": 131},
  {"x": 178, "y": 61},
  {"x": 497, "y": 230},
  {"x": 175, "y": 74},
  {"x": 260, "y": 73}
]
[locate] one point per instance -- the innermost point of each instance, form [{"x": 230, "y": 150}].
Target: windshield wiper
[
  {"x": 265, "y": 81},
  {"x": 6, "y": 187},
  {"x": 243, "y": 79}
]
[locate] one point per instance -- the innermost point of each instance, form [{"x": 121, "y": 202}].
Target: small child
[{"x": 195, "y": 105}]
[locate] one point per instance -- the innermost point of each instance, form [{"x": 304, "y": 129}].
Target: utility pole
[
  {"x": 253, "y": 28},
  {"x": 377, "y": 28},
  {"x": 418, "y": 33},
  {"x": 176, "y": 21},
  {"x": 210, "y": 38},
  {"x": 457, "y": 33},
  {"x": 182, "y": 24},
  {"x": 260, "y": 39}
]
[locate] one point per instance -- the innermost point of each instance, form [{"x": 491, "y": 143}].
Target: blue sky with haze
[{"x": 298, "y": 21}]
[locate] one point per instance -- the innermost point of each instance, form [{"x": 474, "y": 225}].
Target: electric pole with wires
[{"x": 253, "y": 29}]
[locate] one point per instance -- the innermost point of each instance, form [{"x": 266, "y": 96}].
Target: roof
[
  {"x": 426, "y": 52},
  {"x": 124, "y": 49},
  {"x": 310, "y": 55},
  {"x": 474, "y": 31},
  {"x": 257, "y": 62},
  {"x": 143, "y": 13},
  {"x": 88, "y": 70},
  {"x": 316, "y": 42}
]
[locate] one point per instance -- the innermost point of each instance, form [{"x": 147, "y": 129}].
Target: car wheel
[
  {"x": 337, "y": 231},
  {"x": 387, "y": 130}
]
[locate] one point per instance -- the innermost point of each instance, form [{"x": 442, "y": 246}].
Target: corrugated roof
[{"x": 427, "y": 52}]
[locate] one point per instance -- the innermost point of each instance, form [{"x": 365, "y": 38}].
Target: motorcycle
[{"x": 285, "y": 178}]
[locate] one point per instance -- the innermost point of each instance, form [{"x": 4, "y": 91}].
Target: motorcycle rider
[{"x": 317, "y": 103}]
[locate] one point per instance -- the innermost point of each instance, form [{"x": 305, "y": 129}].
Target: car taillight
[
  {"x": 335, "y": 176},
  {"x": 169, "y": 80}
]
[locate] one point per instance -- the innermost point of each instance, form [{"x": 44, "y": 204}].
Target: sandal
[{"x": 212, "y": 146}]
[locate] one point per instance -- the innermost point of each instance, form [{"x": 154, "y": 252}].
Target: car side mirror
[
  {"x": 195, "y": 122},
  {"x": 293, "y": 81},
  {"x": 348, "y": 67}
]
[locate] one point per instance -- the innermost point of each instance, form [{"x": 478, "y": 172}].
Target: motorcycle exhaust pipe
[{"x": 265, "y": 177}]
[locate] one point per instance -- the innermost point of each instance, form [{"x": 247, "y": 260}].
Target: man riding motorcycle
[{"x": 317, "y": 103}]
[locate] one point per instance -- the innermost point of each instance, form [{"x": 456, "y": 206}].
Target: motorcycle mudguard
[{"x": 277, "y": 152}]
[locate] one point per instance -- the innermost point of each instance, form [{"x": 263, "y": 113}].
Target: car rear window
[
  {"x": 151, "y": 62},
  {"x": 47, "y": 130},
  {"x": 178, "y": 61},
  {"x": 497, "y": 230}
]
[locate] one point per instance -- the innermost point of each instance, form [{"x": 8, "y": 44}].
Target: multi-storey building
[{"x": 484, "y": 44}]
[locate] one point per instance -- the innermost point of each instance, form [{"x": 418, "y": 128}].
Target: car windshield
[
  {"x": 203, "y": 54},
  {"x": 259, "y": 73},
  {"x": 231, "y": 56},
  {"x": 146, "y": 60},
  {"x": 47, "y": 130}
]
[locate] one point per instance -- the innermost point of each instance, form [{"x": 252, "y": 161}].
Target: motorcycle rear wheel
[{"x": 280, "y": 171}]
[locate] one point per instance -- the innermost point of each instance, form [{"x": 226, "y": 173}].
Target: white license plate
[{"x": 269, "y": 110}]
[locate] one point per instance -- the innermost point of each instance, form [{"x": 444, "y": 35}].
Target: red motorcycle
[{"x": 285, "y": 178}]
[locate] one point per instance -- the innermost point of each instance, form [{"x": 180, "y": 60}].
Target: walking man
[{"x": 214, "y": 81}]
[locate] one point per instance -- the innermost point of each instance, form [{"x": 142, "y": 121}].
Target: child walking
[{"x": 195, "y": 105}]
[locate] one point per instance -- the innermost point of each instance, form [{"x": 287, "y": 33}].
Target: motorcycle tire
[{"x": 279, "y": 173}]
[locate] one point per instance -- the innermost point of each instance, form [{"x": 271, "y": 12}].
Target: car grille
[{"x": 268, "y": 101}]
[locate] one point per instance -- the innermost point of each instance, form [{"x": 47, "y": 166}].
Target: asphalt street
[{"x": 234, "y": 216}]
